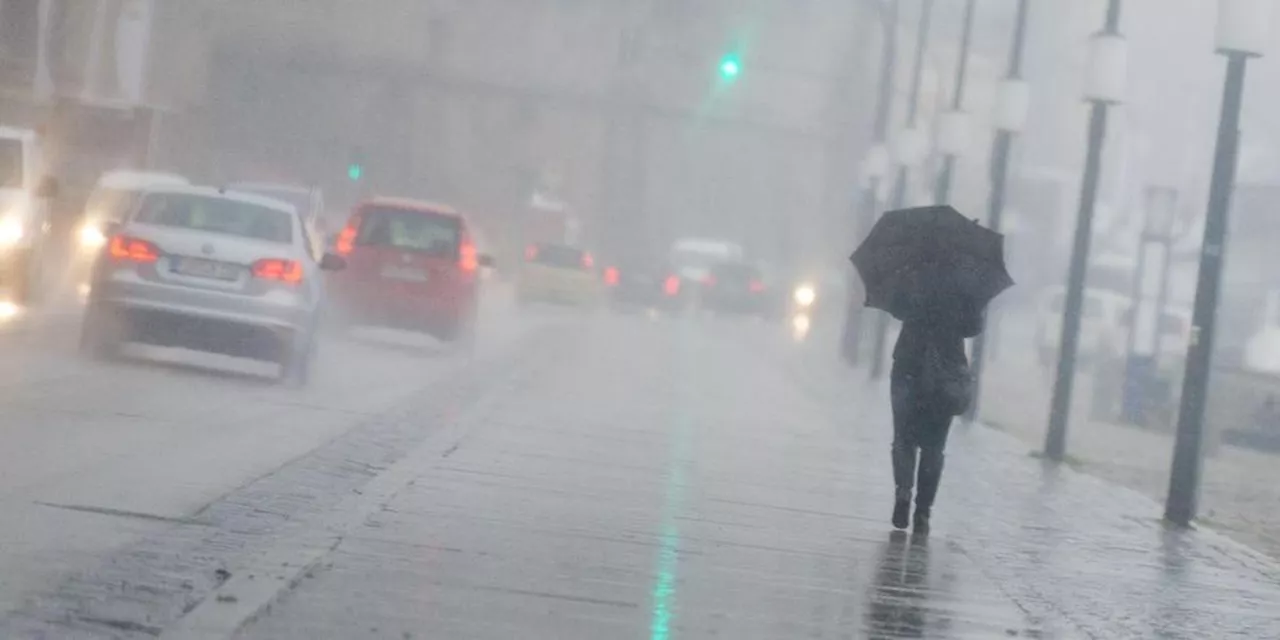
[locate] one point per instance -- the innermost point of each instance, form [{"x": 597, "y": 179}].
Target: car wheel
[
  {"x": 295, "y": 363},
  {"x": 102, "y": 332},
  {"x": 335, "y": 323},
  {"x": 463, "y": 334}
]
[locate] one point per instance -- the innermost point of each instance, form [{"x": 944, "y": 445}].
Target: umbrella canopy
[{"x": 928, "y": 260}]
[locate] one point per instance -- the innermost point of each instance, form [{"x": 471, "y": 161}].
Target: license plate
[
  {"x": 407, "y": 274},
  {"x": 198, "y": 268}
]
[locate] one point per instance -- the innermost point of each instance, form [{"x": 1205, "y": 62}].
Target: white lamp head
[
  {"x": 876, "y": 165},
  {"x": 1244, "y": 26},
  {"x": 1108, "y": 69},
  {"x": 1013, "y": 104},
  {"x": 910, "y": 148}
]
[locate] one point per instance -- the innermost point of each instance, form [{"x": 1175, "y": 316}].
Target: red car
[{"x": 411, "y": 265}]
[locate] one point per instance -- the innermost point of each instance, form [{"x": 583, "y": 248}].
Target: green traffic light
[
  {"x": 730, "y": 67},
  {"x": 354, "y": 171}
]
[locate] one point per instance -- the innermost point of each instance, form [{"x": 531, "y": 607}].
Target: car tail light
[
  {"x": 289, "y": 271},
  {"x": 468, "y": 261},
  {"x": 671, "y": 286},
  {"x": 709, "y": 280},
  {"x": 756, "y": 286},
  {"x": 347, "y": 239},
  {"x": 531, "y": 252},
  {"x": 588, "y": 261},
  {"x": 133, "y": 249},
  {"x": 611, "y": 276}
]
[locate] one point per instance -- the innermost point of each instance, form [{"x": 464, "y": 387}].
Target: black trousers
[{"x": 920, "y": 427}]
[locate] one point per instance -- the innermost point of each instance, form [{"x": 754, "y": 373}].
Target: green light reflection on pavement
[{"x": 663, "y": 595}]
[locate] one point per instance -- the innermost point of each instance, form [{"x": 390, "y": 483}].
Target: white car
[
  {"x": 25, "y": 195},
  {"x": 1104, "y": 327},
  {"x": 216, "y": 271}
]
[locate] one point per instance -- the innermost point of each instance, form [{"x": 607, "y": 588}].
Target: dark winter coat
[{"x": 930, "y": 369}]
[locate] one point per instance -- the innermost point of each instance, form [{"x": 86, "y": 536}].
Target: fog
[{"x": 559, "y": 193}]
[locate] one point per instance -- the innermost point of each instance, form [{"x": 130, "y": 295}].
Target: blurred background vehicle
[
  {"x": 309, "y": 202},
  {"x": 200, "y": 268},
  {"x": 642, "y": 285},
  {"x": 25, "y": 194},
  {"x": 1101, "y": 325},
  {"x": 558, "y": 274},
  {"x": 1104, "y": 327},
  {"x": 411, "y": 265},
  {"x": 112, "y": 200},
  {"x": 736, "y": 288}
]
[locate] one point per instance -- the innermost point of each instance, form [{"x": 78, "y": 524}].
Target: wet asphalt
[{"x": 580, "y": 476}]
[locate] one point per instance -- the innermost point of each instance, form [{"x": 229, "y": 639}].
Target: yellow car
[{"x": 558, "y": 274}]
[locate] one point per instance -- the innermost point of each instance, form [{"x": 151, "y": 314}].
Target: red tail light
[
  {"x": 671, "y": 286},
  {"x": 709, "y": 280},
  {"x": 588, "y": 261},
  {"x": 282, "y": 270},
  {"x": 756, "y": 286},
  {"x": 133, "y": 249},
  {"x": 531, "y": 252},
  {"x": 347, "y": 239},
  {"x": 468, "y": 260},
  {"x": 611, "y": 276}
]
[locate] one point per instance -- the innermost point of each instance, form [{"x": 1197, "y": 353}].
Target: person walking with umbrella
[{"x": 936, "y": 271}]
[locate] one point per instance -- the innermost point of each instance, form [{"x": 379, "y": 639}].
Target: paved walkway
[
  {"x": 1240, "y": 492},
  {"x": 701, "y": 483}
]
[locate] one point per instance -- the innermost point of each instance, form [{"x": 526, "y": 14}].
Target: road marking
[{"x": 122, "y": 513}]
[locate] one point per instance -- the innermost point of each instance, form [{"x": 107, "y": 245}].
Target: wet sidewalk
[{"x": 693, "y": 484}]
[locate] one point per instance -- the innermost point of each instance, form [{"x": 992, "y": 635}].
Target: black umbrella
[{"x": 929, "y": 260}]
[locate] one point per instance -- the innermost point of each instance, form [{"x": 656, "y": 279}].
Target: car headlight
[
  {"x": 804, "y": 295},
  {"x": 11, "y": 231},
  {"x": 91, "y": 237}
]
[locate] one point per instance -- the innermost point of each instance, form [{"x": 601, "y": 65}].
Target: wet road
[{"x": 579, "y": 478}]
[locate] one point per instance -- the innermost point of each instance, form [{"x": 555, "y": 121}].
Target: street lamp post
[
  {"x": 953, "y": 127},
  {"x": 1146, "y": 320},
  {"x": 1105, "y": 86},
  {"x": 875, "y": 169},
  {"x": 910, "y": 149},
  {"x": 1243, "y": 32},
  {"x": 1012, "y": 105}
]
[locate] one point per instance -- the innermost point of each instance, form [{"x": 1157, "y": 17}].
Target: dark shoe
[
  {"x": 920, "y": 523},
  {"x": 901, "y": 511}
]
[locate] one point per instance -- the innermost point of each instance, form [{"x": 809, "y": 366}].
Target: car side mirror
[
  {"x": 48, "y": 188},
  {"x": 333, "y": 262},
  {"x": 485, "y": 260}
]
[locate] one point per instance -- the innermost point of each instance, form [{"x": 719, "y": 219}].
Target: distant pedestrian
[
  {"x": 936, "y": 271},
  {"x": 929, "y": 386}
]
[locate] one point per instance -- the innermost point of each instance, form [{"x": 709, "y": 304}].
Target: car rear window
[
  {"x": 736, "y": 272},
  {"x": 410, "y": 230},
  {"x": 557, "y": 255},
  {"x": 216, "y": 215},
  {"x": 299, "y": 198}
]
